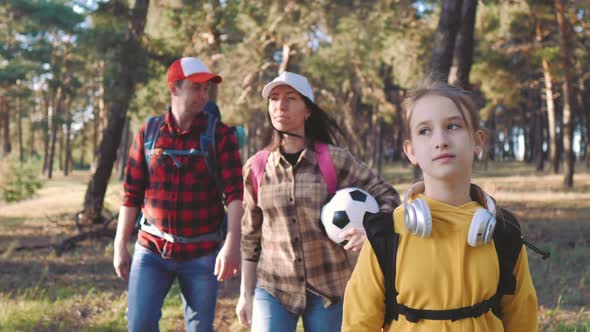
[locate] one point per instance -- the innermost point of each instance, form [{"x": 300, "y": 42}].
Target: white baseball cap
[
  {"x": 191, "y": 69},
  {"x": 296, "y": 81}
]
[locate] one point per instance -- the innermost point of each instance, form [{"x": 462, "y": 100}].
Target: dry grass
[{"x": 80, "y": 292}]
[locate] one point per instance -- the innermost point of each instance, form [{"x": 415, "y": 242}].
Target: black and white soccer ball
[{"x": 347, "y": 209}]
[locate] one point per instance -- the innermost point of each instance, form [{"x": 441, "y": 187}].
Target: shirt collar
[
  {"x": 169, "y": 121},
  {"x": 308, "y": 154}
]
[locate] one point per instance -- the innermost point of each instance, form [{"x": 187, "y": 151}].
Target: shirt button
[
  {"x": 299, "y": 259},
  {"x": 290, "y": 199},
  {"x": 301, "y": 279},
  {"x": 294, "y": 220},
  {"x": 295, "y": 240}
]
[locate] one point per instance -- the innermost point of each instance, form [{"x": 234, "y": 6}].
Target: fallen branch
[{"x": 71, "y": 242}]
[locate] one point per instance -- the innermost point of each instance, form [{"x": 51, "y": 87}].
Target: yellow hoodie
[{"x": 437, "y": 273}]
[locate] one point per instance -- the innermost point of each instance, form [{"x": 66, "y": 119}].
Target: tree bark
[
  {"x": 444, "y": 39},
  {"x": 464, "y": 44},
  {"x": 538, "y": 137},
  {"x": 53, "y": 121},
  {"x": 124, "y": 149},
  {"x": 491, "y": 126},
  {"x": 68, "y": 139},
  {"x": 549, "y": 99},
  {"x": 32, "y": 130},
  {"x": 131, "y": 59},
  {"x": 19, "y": 129},
  {"x": 46, "y": 126},
  {"x": 5, "y": 119},
  {"x": 83, "y": 143},
  {"x": 567, "y": 61},
  {"x": 61, "y": 146}
]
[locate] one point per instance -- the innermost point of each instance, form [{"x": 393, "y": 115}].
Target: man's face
[{"x": 193, "y": 96}]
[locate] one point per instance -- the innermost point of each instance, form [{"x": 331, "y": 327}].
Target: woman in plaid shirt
[{"x": 297, "y": 270}]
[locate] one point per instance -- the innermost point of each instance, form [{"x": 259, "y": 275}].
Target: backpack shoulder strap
[
  {"x": 326, "y": 165},
  {"x": 257, "y": 170},
  {"x": 508, "y": 242},
  {"x": 150, "y": 135},
  {"x": 384, "y": 241}
]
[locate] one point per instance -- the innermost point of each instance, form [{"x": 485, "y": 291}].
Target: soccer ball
[{"x": 347, "y": 209}]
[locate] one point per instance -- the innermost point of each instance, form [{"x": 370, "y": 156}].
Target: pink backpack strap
[
  {"x": 257, "y": 170},
  {"x": 326, "y": 165}
]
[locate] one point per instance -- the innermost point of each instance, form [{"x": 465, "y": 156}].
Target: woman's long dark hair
[{"x": 319, "y": 127}]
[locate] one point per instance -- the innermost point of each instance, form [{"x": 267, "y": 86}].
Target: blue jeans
[
  {"x": 150, "y": 279},
  {"x": 268, "y": 315}
]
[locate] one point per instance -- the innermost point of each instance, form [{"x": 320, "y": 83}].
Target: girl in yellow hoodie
[{"x": 446, "y": 258}]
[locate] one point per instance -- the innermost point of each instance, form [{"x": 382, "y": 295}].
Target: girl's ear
[
  {"x": 409, "y": 151},
  {"x": 480, "y": 140}
]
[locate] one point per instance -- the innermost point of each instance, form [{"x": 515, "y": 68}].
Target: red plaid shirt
[{"x": 182, "y": 201}]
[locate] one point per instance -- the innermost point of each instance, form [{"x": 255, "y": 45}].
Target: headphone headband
[{"x": 489, "y": 202}]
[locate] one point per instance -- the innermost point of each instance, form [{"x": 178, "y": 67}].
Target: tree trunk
[
  {"x": 463, "y": 53},
  {"x": 585, "y": 95},
  {"x": 83, "y": 143},
  {"x": 68, "y": 139},
  {"x": 444, "y": 39},
  {"x": 53, "y": 121},
  {"x": 131, "y": 60},
  {"x": 567, "y": 61},
  {"x": 5, "y": 119},
  {"x": 46, "y": 127},
  {"x": 32, "y": 142},
  {"x": 493, "y": 136},
  {"x": 19, "y": 129},
  {"x": 124, "y": 150},
  {"x": 61, "y": 147},
  {"x": 549, "y": 99},
  {"x": 379, "y": 146},
  {"x": 538, "y": 139}
]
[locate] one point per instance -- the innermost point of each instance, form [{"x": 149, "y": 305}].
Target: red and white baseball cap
[{"x": 191, "y": 69}]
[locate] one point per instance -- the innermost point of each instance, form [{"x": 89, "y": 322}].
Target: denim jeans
[
  {"x": 270, "y": 316},
  {"x": 150, "y": 279}
]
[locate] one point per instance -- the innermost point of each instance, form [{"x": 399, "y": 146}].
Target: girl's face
[
  {"x": 441, "y": 141},
  {"x": 287, "y": 110}
]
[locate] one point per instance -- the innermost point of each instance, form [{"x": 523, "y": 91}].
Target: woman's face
[{"x": 287, "y": 110}]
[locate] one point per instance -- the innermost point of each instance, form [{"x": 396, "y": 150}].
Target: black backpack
[{"x": 384, "y": 241}]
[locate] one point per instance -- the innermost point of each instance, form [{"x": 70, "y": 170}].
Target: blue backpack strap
[
  {"x": 151, "y": 134},
  {"x": 208, "y": 146}
]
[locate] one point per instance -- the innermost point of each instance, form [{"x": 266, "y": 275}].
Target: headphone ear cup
[
  {"x": 417, "y": 218},
  {"x": 482, "y": 228}
]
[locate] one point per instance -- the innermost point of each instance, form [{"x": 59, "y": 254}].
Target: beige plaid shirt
[{"x": 282, "y": 231}]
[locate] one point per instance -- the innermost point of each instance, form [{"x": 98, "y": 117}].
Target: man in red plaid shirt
[{"x": 182, "y": 208}]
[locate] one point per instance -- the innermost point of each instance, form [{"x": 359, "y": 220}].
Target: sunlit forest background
[{"x": 78, "y": 78}]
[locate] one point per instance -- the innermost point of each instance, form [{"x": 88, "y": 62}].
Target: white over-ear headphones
[{"x": 418, "y": 219}]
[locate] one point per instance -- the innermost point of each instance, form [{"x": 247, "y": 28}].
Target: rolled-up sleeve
[
  {"x": 230, "y": 164},
  {"x": 136, "y": 173},
  {"x": 354, "y": 173},
  {"x": 251, "y": 220}
]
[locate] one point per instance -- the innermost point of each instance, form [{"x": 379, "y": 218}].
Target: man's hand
[
  {"x": 356, "y": 237},
  {"x": 244, "y": 310},
  {"x": 228, "y": 259},
  {"x": 122, "y": 262}
]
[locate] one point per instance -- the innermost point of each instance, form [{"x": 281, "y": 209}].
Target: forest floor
[{"x": 79, "y": 291}]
